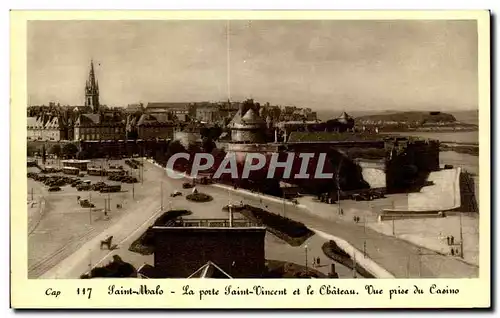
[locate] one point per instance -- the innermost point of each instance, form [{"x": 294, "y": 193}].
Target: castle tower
[{"x": 92, "y": 90}]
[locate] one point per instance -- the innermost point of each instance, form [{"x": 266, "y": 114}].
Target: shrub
[
  {"x": 292, "y": 232},
  {"x": 116, "y": 268},
  {"x": 69, "y": 150},
  {"x": 199, "y": 197},
  {"x": 280, "y": 269}
]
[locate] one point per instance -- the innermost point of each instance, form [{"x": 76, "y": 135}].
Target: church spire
[{"x": 92, "y": 90}]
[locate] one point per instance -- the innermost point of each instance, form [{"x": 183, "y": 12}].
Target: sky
[{"x": 342, "y": 65}]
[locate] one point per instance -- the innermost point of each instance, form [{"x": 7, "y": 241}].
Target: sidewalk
[
  {"x": 400, "y": 258},
  {"x": 428, "y": 233}
]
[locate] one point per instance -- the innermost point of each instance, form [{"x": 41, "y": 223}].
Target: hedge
[
  {"x": 292, "y": 232},
  {"x": 199, "y": 197}
]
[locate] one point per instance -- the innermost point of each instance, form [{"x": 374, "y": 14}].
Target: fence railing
[{"x": 214, "y": 223}]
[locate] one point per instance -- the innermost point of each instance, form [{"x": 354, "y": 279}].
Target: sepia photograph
[{"x": 253, "y": 149}]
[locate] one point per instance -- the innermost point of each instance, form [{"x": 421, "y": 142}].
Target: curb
[{"x": 367, "y": 263}]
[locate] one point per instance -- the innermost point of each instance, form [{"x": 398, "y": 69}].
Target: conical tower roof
[
  {"x": 344, "y": 117},
  {"x": 251, "y": 118}
]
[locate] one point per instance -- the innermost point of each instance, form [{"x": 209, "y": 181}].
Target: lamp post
[
  {"x": 305, "y": 248},
  {"x": 90, "y": 207},
  {"x": 90, "y": 262},
  {"x": 461, "y": 238},
  {"x": 284, "y": 208},
  {"x": 230, "y": 207},
  {"x": 419, "y": 253},
  {"x": 338, "y": 184},
  {"x": 364, "y": 238},
  {"x": 354, "y": 265},
  {"x": 161, "y": 189},
  {"x": 393, "y": 227}
]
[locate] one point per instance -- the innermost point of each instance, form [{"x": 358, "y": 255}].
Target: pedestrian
[
  {"x": 448, "y": 240},
  {"x": 318, "y": 261},
  {"x": 452, "y": 252},
  {"x": 452, "y": 240}
]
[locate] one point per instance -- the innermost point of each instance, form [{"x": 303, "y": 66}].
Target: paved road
[
  {"x": 134, "y": 224},
  {"x": 398, "y": 257}
]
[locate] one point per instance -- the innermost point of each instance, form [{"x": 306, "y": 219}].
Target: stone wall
[{"x": 250, "y": 136}]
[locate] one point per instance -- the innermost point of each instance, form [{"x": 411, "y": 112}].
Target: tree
[
  {"x": 56, "y": 150},
  {"x": 175, "y": 147},
  {"x": 208, "y": 145},
  {"x": 30, "y": 150},
  {"x": 193, "y": 148},
  {"x": 70, "y": 150},
  {"x": 82, "y": 154}
]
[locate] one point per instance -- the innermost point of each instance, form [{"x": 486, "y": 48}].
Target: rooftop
[{"x": 166, "y": 105}]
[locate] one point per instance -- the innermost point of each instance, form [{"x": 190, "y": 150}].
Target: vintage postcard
[{"x": 210, "y": 159}]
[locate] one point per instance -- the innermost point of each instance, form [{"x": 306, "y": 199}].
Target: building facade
[
  {"x": 46, "y": 127},
  {"x": 102, "y": 126},
  {"x": 35, "y": 127},
  {"x": 207, "y": 114},
  {"x": 180, "y": 111},
  {"x": 153, "y": 126}
]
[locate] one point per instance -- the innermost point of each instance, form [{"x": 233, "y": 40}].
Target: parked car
[
  {"x": 53, "y": 189},
  {"x": 83, "y": 187},
  {"x": 110, "y": 188},
  {"x": 187, "y": 185},
  {"x": 175, "y": 194},
  {"x": 362, "y": 197},
  {"x": 86, "y": 204}
]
